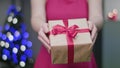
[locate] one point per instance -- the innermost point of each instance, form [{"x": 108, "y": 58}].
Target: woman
[{"x": 44, "y": 10}]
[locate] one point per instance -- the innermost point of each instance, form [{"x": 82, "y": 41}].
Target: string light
[
  {"x": 8, "y": 34},
  {"x": 14, "y": 58},
  {"x": 28, "y": 53},
  {"x": 10, "y": 37},
  {"x": 22, "y": 60},
  {"x": 15, "y": 50},
  {"x": 2, "y": 43},
  {"x": 23, "y": 41},
  {"x": 22, "y": 63},
  {"x": 10, "y": 18},
  {"x": 12, "y": 29},
  {"x": 17, "y": 34},
  {"x": 22, "y": 47},
  {"x": 11, "y": 14},
  {"x": 4, "y": 37},
  {"x": 25, "y": 35},
  {"x": 29, "y": 44},
  {"x": 11, "y": 45},
  {"x": 23, "y": 27},
  {"x": 7, "y": 45},
  {"x": 15, "y": 21},
  {"x": 4, "y": 57},
  {"x": 6, "y": 54},
  {"x": 7, "y": 27}
]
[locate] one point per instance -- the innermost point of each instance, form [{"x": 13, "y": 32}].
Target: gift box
[{"x": 70, "y": 41}]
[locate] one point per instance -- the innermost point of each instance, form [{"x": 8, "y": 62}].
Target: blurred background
[{"x": 107, "y": 46}]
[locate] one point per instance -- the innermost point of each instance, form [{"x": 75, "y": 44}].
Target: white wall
[{"x": 111, "y": 37}]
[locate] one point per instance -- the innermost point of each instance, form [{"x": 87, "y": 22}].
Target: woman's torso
[{"x": 66, "y": 9}]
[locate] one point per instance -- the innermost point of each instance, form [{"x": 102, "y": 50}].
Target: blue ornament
[
  {"x": 11, "y": 44},
  {"x": 23, "y": 27},
  {"x": 17, "y": 36},
  {"x": 23, "y": 41},
  {"x": 11, "y": 38},
  {"x": 23, "y": 58},
  {"x": 14, "y": 59},
  {"x": 25, "y": 35},
  {"x": 7, "y": 53},
  {"x": 17, "y": 46},
  {"x": 4, "y": 37},
  {"x": 29, "y": 44},
  {"x": 15, "y": 49},
  {"x": 7, "y": 40},
  {"x": 7, "y": 27},
  {"x": 17, "y": 33},
  {"x": 28, "y": 53},
  {"x": 13, "y": 9},
  {"x": 7, "y": 45},
  {"x": 12, "y": 29}
]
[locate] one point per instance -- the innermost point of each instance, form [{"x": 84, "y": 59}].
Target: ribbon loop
[{"x": 71, "y": 31}]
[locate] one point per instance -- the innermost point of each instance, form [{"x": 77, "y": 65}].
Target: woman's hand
[
  {"x": 43, "y": 37},
  {"x": 94, "y": 31}
]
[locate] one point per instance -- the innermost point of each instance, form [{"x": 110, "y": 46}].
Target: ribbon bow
[{"x": 71, "y": 31}]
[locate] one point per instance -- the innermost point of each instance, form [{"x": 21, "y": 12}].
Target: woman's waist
[
  {"x": 58, "y": 9},
  {"x": 57, "y": 15}
]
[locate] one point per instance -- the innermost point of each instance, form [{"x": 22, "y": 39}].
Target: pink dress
[{"x": 63, "y": 9}]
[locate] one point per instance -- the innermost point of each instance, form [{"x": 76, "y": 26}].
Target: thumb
[
  {"x": 90, "y": 25},
  {"x": 45, "y": 28}
]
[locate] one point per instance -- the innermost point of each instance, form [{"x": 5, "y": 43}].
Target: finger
[
  {"x": 46, "y": 30},
  {"x": 93, "y": 32},
  {"x": 43, "y": 36},
  {"x": 90, "y": 25},
  {"x": 47, "y": 46},
  {"x": 94, "y": 39}
]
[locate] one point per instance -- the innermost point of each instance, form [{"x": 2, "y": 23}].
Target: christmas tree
[{"x": 15, "y": 46}]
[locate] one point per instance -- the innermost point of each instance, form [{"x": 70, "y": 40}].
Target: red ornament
[{"x": 113, "y": 15}]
